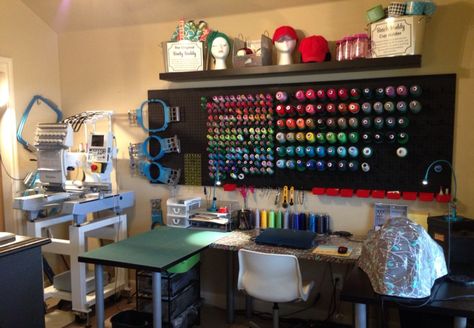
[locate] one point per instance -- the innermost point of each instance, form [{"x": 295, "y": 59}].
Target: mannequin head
[
  {"x": 219, "y": 46},
  {"x": 285, "y": 39}
]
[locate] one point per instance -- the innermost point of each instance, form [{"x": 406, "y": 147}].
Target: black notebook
[{"x": 287, "y": 238}]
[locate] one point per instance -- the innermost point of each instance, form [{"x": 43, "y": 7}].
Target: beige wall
[
  {"x": 114, "y": 68},
  {"x": 33, "y": 48}
]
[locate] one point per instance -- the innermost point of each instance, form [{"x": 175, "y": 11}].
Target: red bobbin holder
[
  {"x": 426, "y": 196},
  {"x": 332, "y": 191},
  {"x": 393, "y": 195},
  {"x": 409, "y": 195},
  {"x": 379, "y": 194},
  {"x": 318, "y": 191},
  {"x": 347, "y": 193},
  {"x": 229, "y": 187}
]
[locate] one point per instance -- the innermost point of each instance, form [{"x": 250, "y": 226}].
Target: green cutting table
[{"x": 156, "y": 251}]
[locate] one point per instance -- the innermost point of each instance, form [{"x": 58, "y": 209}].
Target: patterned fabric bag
[{"x": 401, "y": 259}]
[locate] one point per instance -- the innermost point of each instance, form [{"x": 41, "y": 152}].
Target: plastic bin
[{"x": 132, "y": 319}]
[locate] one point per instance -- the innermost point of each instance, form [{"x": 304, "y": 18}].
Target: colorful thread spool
[
  {"x": 286, "y": 219},
  {"x": 263, "y": 219},
  {"x": 271, "y": 219},
  {"x": 257, "y": 219},
  {"x": 278, "y": 220}
]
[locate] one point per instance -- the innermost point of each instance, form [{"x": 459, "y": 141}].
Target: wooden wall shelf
[{"x": 359, "y": 65}]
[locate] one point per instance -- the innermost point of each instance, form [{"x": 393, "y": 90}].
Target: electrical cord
[
  {"x": 430, "y": 299},
  {"x": 7, "y": 173}
]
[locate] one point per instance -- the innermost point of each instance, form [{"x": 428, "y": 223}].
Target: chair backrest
[{"x": 270, "y": 277}]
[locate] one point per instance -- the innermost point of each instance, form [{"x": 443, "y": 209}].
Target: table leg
[
  {"x": 360, "y": 315},
  {"x": 460, "y": 322},
  {"x": 99, "y": 295},
  {"x": 156, "y": 285},
  {"x": 230, "y": 287},
  {"x": 248, "y": 306}
]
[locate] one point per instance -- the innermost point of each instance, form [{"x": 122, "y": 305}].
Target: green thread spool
[
  {"x": 271, "y": 219},
  {"x": 279, "y": 220}
]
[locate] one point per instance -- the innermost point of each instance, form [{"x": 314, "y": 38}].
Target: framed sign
[
  {"x": 184, "y": 56},
  {"x": 397, "y": 36}
]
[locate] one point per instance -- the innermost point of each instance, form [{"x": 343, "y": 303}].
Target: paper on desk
[
  {"x": 331, "y": 251},
  {"x": 209, "y": 219}
]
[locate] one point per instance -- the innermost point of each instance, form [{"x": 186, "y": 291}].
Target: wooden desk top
[
  {"x": 246, "y": 240},
  {"x": 358, "y": 289}
]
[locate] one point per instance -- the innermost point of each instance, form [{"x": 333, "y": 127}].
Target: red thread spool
[
  {"x": 342, "y": 108},
  {"x": 343, "y": 94},
  {"x": 300, "y": 109},
  {"x": 300, "y": 123},
  {"x": 290, "y": 110},
  {"x": 354, "y": 108},
  {"x": 331, "y": 108},
  {"x": 291, "y": 124},
  {"x": 310, "y": 94},
  {"x": 280, "y": 110}
]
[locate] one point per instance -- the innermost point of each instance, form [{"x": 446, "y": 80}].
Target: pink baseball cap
[
  {"x": 313, "y": 49},
  {"x": 284, "y": 31}
]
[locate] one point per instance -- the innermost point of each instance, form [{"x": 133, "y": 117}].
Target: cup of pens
[{"x": 245, "y": 219}]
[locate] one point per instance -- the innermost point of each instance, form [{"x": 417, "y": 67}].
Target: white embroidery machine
[{"x": 75, "y": 187}]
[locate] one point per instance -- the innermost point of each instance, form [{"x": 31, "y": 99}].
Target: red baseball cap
[
  {"x": 313, "y": 49},
  {"x": 284, "y": 31}
]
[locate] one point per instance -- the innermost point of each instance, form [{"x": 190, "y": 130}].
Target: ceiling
[{"x": 75, "y": 15}]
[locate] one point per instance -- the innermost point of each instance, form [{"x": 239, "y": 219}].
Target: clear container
[
  {"x": 347, "y": 47},
  {"x": 339, "y": 52},
  {"x": 360, "y": 46}
]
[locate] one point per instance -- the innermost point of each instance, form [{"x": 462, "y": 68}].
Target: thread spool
[
  {"x": 263, "y": 219},
  {"x": 279, "y": 220},
  {"x": 271, "y": 219},
  {"x": 286, "y": 219},
  {"x": 257, "y": 219},
  {"x": 312, "y": 226},
  {"x": 302, "y": 221},
  {"x": 295, "y": 224}
]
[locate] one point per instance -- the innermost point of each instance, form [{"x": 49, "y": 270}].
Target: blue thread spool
[
  {"x": 295, "y": 223},
  {"x": 326, "y": 223},
  {"x": 311, "y": 165},
  {"x": 312, "y": 226},
  {"x": 319, "y": 224},
  {"x": 302, "y": 221},
  {"x": 310, "y": 151}
]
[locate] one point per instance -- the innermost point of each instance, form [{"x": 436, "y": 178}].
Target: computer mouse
[{"x": 342, "y": 250}]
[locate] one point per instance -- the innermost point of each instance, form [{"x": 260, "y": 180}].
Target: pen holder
[{"x": 245, "y": 219}]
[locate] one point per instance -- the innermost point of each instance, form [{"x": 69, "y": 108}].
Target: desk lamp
[
  {"x": 451, "y": 217},
  {"x": 217, "y": 182}
]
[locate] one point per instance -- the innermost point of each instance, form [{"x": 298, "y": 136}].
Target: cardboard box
[
  {"x": 184, "y": 56},
  {"x": 261, "y": 52},
  {"x": 397, "y": 36}
]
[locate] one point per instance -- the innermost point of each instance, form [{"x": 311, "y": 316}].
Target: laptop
[{"x": 287, "y": 238}]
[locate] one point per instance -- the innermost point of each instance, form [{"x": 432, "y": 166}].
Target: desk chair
[{"x": 272, "y": 278}]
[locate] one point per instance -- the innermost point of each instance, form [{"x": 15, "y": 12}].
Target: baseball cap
[
  {"x": 284, "y": 31},
  {"x": 313, "y": 49}
]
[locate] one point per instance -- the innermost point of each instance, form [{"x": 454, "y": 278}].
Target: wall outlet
[{"x": 338, "y": 280}]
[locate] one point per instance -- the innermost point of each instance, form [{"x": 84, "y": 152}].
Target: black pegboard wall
[{"x": 430, "y": 133}]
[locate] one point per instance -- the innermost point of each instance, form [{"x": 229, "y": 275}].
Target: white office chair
[{"x": 272, "y": 278}]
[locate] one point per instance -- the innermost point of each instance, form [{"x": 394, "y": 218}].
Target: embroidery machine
[{"x": 75, "y": 187}]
